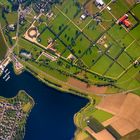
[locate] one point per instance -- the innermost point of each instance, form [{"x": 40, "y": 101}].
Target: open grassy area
[
  {"x": 104, "y": 61},
  {"x": 101, "y": 115},
  {"x": 94, "y": 50},
  {"x": 93, "y": 31},
  {"x": 3, "y": 47},
  {"x": 135, "y": 10},
  {"x": 45, "y": 37},
  {"x": 118, "y": 8}
]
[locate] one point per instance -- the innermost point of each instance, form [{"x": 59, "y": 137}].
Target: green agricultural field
[
  {"x": 81, "y": 23},
  {"x": 59, "y": 23},
  {"x": 101, "y": 115},
  {"x": 117, "y": 32},
  {"x": 135, "y": 10},
  {"x": 135, "y": 32},
  {"x": 114, "y": 50},
  {"x": 96, "y": 50},
  {"x": 107, "y": 19},
  {"x": 118, "y": 8},
  {"x": 91, "y": 55},
  {"x": 70, "y": 9},
  {"x": 102, "y": 65},
  {"x": 115, "y": 70},
  {"x": 29, "y": 47},
  {"x": 70, "y": 34},
  {"x": 45, "y": 37},
  {"x": 66, "y": 53},
  {"x": 61, "y": 48},
  {"x": 125, "y": 60},
  {"x": 81, "y": 45},
  {"x": 11, "y": 17},
  {"x": 133, "y": 50},
  {"x": 93, "y": 30},
  {"x": 3, "y": 47}
]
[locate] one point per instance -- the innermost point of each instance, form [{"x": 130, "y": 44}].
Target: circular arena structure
[{"x": 32, "y": 32}]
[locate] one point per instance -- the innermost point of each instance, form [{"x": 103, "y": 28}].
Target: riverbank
[
  {"x": 52, "y": 108},
  {"x": 14, "y": 113},
  {"x": 93, "y": 100}
]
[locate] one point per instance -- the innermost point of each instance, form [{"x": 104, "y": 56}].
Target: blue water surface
[{"x": 52, "y": 115}]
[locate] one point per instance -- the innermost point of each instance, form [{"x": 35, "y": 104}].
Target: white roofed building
[{"x": 99, "y": 2}]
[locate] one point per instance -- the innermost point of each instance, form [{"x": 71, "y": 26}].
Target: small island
[{"x": 13, "y": 115}]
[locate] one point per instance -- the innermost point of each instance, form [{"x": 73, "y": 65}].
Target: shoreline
[
  {"x": 26, "y": 104},
  {"x": 74, "y": 92}
]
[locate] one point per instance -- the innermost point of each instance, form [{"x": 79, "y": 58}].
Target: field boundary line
[
  {"x": 67, "y": 17},
  {"x": 130, "y": 44}
]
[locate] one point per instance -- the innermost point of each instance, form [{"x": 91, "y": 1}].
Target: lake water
[{"x": 52, "y": 115}]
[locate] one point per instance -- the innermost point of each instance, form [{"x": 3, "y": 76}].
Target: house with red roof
[{"x": 125, "y": 21}]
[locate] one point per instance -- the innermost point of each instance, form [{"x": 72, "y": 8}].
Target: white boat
[
  {"x": 6, "y": 75},
  {"x": 7, "y": 78},
  {"x": 6, "y": 71}
]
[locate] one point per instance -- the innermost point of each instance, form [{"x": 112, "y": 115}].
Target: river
[{"x": 52, "y": 115}]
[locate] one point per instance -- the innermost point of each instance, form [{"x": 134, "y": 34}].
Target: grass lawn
[
  {"x": 45, "y": 37},
  {"x": 136, "y": 11},
  {"x": 3, "y": 47},
  {"x": 59, "y": 47},
  {"x": 101, "y": 65},
  {"x": 134, "y": 50},
  {"x": 118, "y": 8},
  {"x": 126, "y": 79},
  {"x": 129, "y": 3},
  {"x": 91, "y": 7},
  {"x": 81, "y": 23},
  {"x": 114, "y": 50},
  {"x": 29, "y": 47},
  {"x": 126, "y": 40},
  {"x": 66, "y": 53},
  {"x": 135, "y": 32},
  {"x": 93, "y": 31},
  {"x": 124, "y": 60},
  {"x": 114, "y": 71},
  {"x": 69, "y": 34},
  {"x": 59, "y": 23},
  {"x": 12, "y": 17},
  {"x": 42, "y": 67},
  {"x": 81, "y": 45},
  {"x": 65, "y": 66},
  {"x": 117, "y": 32},
  {"x": 101, "y": 115},
  {"x": 2, "y": 21},
  {"x": 91, "y": 56},
  {"x": 70, "y": 8},
  {"x": 41, "y": 27},
  {"x": 107, "y": 19}
]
